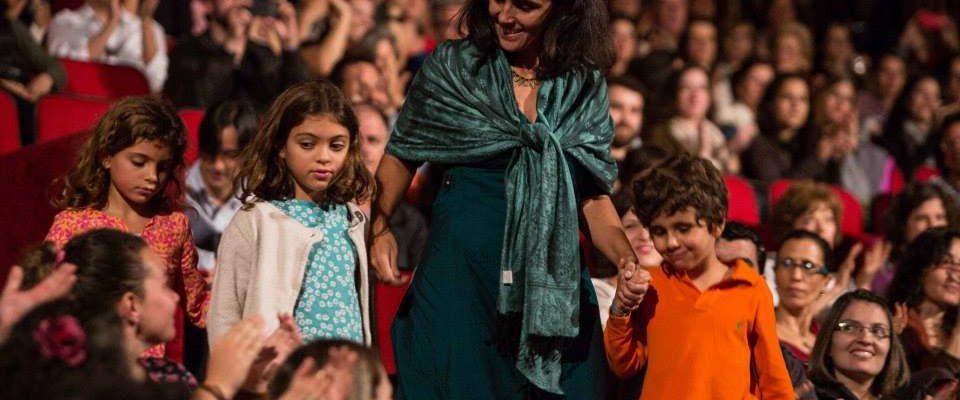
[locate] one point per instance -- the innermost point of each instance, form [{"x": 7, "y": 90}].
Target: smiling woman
[
  {"x": 510, "y": 115},
  {"x": 857, "y": 355},
  {"x": 927, "y": 280}
]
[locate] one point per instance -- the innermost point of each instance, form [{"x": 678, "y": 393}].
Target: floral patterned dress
[{"x": 328, "y": 306}]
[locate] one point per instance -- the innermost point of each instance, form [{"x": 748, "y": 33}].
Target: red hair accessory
[{"x": 62, "y": 337}]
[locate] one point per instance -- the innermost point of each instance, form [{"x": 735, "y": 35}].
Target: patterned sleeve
[
  {"x": 62, "y": 229},
  {"x": 196, "y": 290}
]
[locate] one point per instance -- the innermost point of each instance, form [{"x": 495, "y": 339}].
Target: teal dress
[
  {"x": 327, "y": 306},
  {"x": 500, "y": 306},
  {"x": 448, "y": 339}
]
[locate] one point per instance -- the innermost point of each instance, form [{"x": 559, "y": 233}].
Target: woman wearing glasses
[
  {"x": 801, "y": 272},
  {"x": 856, "y": 356},
  {"x": 927, "y": 280}
]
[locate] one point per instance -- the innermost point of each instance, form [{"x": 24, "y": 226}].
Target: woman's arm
[
  {"x": 393, "y": 179},
  {"x": 606, "y": 231}
]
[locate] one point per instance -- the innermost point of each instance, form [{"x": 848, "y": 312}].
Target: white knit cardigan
[{"x": 261, "y": 262}]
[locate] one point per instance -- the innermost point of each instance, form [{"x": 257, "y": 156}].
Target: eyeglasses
[
  {"x": 850, "y": 327},
  {"x": 808, "y": 267}
]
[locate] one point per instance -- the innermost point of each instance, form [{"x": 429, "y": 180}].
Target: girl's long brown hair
[
  {"x": 126, "y": 123},
  {"x": 263, "y": 175}
]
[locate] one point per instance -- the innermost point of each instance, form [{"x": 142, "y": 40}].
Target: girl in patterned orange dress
[{"x": 121, "y": 181}]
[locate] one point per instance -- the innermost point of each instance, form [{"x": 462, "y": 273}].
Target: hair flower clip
[{"x": 63, "y": 338}]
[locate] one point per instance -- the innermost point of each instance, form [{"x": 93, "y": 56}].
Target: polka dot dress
[{"x": 327, "y": 306}]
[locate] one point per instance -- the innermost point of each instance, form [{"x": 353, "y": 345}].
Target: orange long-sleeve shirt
[{"x": 701, "y": 345}]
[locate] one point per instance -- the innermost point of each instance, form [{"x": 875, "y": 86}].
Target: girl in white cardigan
[{"x": 297, "y": 246}]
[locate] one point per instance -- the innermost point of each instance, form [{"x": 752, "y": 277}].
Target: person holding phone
[{"x": 242, "y": 55}]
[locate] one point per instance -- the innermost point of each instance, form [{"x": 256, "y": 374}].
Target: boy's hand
[{"x": 632, "y": 285}]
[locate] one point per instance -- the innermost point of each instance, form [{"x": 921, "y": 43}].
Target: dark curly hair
[
  {"x": 575, "y": 35},
  {"x": 683, "y": 181},
  {"x": 904, "y": 203},
  {"x": 923, "y": 254}
]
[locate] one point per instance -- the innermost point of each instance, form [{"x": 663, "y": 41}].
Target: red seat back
[
  {"x": 191, "y": 120},
  {"x": 61, "y": 115},
  {"x": 742, "y": 201},
  {"x": 924, "y": 173},
  {"x": 387, "y": 303},
  {"x": 103, "y": 80},
  {"x": 9, "y": 125}
]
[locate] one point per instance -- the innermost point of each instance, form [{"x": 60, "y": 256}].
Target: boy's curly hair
[{"x": 682, "y": 181}]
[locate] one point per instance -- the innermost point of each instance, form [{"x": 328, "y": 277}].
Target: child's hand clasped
[{"x": 632, "y": 285}]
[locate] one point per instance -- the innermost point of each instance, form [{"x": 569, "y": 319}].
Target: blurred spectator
[
  {"x": 624, "y": 32},
  {"x": 698, "y": 45},
  {"x": 103, "y": 31},
  {"x": 687, "y": 129},
  {"x": 737, "y": 48},
  {"x": 918, "y": 207},
  {"x": 928, "y": 39},
  {"x": 26, "y": 72},
  {"x": 210, "y": 193},
  {"x": 791, "y": 49},
  {"x": 445, "y": 23},
  {"x": 875, "y": 103},
  {"x": 669, "y": 19},
  {"x": 626, "y": 109},
  {"x": 952, "y": 82},
  {"x": 838, "y": 57},
  {"x": 909, "y": 123},
  {"x": 784, "y": 148},
  {"x": 946, "y": 144},
  {"x": 33, "y": 13},
  {"x": 325, "y": 30},
  {"x": 861, "y": 167},
  {"x": 240, "y": 57},
  {"x": 738, "y": 118},
  {"x": 362, "y": 82}
]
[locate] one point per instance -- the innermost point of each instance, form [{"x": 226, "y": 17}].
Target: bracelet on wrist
[{"x": 617, "y": 312}]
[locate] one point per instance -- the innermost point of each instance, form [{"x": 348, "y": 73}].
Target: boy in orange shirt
[{"x": 703, "y": 329}]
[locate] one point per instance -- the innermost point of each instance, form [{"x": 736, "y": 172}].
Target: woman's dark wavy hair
[
  {"x": 576, "y": 35},
  {"x": 895, "y": 372},
  {"x": 909, "y": 199},
  {"x": 922, "y": 255}
]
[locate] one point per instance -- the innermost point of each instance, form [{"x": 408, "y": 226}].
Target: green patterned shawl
[{"x": 461, "y": 109}]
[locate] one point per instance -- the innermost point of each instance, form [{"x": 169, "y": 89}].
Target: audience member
[
  {"x": 240, "y": 57},
  {"x": 103, "y": 31}
]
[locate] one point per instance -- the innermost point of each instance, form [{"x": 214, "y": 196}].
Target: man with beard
[
  {"x": 626, "y": 110},
  {"x": 241, "y": 56}
]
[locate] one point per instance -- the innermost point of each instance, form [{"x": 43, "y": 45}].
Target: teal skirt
[{"x": 446, "y": 334}]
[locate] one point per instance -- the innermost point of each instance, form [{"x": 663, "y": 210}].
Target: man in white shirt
[{"x": 102, "y": 31}]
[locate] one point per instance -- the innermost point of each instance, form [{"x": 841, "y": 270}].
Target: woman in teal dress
[{"x": 517, "y": 116}]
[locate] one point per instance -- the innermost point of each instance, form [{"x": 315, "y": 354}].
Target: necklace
[{"x": 521, "y": 81}]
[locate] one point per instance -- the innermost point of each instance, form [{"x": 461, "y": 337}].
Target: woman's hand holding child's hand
[{"x": 632, "y": 285}]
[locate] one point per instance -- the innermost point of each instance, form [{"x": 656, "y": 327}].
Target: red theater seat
[
  {"x": 191, "y": 120},
  {"x": 103, "y": 80},
  {"x": 9, "y": 125},
  {"x": 387, "y": 303},
  {"x": 62, "y": 115},
  {"x": 742, "y": 201}
]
